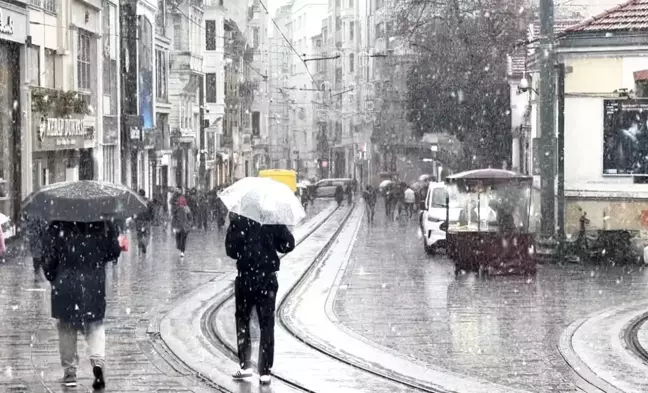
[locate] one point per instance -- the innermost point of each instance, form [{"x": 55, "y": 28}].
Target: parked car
[
  {"x": 325, "y": 188},
  {"x": 7, "y": 227},
  {"x": 433, "y": 216}
]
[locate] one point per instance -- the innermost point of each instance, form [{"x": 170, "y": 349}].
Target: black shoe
[{"x": 99, "y": 382}]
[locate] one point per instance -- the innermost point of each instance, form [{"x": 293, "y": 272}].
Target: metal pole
[
  {"x": 202, "y": 184},
  {"x": 547, "y": 119},
  {"x": 560, "y": 199}
]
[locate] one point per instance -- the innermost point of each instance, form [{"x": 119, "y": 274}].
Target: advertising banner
[{"x": 625, "y": 137}]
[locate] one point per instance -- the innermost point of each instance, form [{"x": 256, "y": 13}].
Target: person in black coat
[
  {"x": 74, "y": 257},
  {"x": 255, "y": 247}
]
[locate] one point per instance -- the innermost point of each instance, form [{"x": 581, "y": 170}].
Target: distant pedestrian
[
  {"x": 349, "y": 193},
  {"x": 143, "y": 224},
  {"x": 369, "y": 196},
  {"x": 339, "y": 195},
  {"x": 74, "y": 259},
  {"x": 409, "y": 197},
  {"x": 3, "y": 246},
  {"x": 182, "y": 224},
  {"x": 36, "y": 230},
  {"x": 255, "y": 248}
]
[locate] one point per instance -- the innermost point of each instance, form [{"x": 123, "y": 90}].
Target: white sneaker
[
  {"x": 182, "y": 255},
  {"x": 242, "y": 373},
  {"x": 265, "y": 379}
]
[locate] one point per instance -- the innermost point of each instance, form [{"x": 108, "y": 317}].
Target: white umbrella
[
  {"x": 425, "y": 177},
  {"x": 3, "y": 219},
  {"x": 263, "y": 200},
  {"x": 301, "y": 185},
  {"x": 385, "y": 183}
]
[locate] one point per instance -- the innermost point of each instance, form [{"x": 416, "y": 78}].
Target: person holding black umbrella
[
  {"x": 82, "y": 236},
  {"x": 74, "y": 258}
]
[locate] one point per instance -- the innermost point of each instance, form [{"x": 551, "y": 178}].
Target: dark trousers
[
  {"x": 252, "y": 291},
  {"x": 181, "y": 240}
]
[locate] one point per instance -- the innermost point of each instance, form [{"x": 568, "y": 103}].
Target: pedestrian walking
[
  {"x": 182, "y": 223},
  {"x": 349, "y": 193},
  {"x": 409, "y": 197},
  {"x": 74, "y": 258},
  {"x": 143, "y": 224},
  {"x": 369, "y": 196},
  {"x": 339, "y": 195},
  {"x": 3, "y": 246},
  {"x": 255, "y": 247},
  {"x": 35, "y": 233}
]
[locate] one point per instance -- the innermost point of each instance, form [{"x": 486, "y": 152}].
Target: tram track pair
[
  {"x": 631, "y": 337},
  {"x": 209, "y": 329}
]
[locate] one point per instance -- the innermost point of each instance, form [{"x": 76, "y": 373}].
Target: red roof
[{"x": 631, "y": 15}]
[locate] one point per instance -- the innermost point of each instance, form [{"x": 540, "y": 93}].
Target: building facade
[{"x": 15, "y": 156}]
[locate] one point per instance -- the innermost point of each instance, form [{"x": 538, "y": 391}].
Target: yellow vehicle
[{"x": 284, "y": 176}]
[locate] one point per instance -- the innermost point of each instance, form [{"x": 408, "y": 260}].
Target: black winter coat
[
  {"x": 255, "y": 246},
  {"x": 74, "y": 262}
]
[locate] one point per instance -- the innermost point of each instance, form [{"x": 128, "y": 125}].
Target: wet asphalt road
[
  {"x": 501, "y": 329},
  {"x": 136, "y": 286}
]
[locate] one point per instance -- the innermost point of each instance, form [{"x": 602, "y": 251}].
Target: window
[
  {"x": 255, "y": 37},
  {"x": 49, "y": 5},
  {"x": 337, "y": 3},
  {"x": 350, "y": 3},
  {"x": 256, "y": 123},
  {"x": 83, "y": 61},
  {"x": 178, "y": 36},
  {"x": 161, "y": 74},
  {"x": 50, "y": 69},
  {"x": 351, "y": 31},
  {"x": 160, "y": 18},
  {"x": 210, "y": 35},
  {"x": 210, "y": 88},
  {"x": 34, "y": 65},
  {"x": 351, "y": 62},
  {"x": 380, "y": 30},
  {"x": 338, "y": 24},
  {"x": 325, "y": 35},
  {"x": 379, "y": 4}
]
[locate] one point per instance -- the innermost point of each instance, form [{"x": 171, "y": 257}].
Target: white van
[{"x": 433, "y": 215}]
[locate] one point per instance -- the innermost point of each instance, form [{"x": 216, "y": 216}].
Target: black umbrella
[{"x": 83, "y": 201}]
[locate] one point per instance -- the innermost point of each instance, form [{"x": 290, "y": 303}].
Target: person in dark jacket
[
  {"x": 339, "y": 195},
  {"x": 35, "y": 231},
  {"x": 182, "y": 223},
  {"x": 74, "y": 258},
  {"x": 143, "y": 224},
  {"x": 255, "y": 247}
]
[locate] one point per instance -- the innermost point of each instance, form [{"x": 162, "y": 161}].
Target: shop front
[
  {"x": 62, "y": 150},
  {"x": 13, "y": 34}
]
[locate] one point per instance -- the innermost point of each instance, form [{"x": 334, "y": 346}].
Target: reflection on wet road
[{"x": 502, "y": 329}]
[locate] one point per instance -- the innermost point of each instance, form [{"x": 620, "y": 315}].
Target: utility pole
[
  {"x": 560, "y": 199},
  {"x": 202, "y": 143},
  {"x": 547, "y": 148}
]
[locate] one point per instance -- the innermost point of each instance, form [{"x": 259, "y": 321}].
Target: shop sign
[
  {"x": 61, "y": 134},
  {"x": 135, "y": 134},
  {"x": 13, "y": 25}
]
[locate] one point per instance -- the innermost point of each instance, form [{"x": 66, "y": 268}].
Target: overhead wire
[{"x": 287, "y": 41}]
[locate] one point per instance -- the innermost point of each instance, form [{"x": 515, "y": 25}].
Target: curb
[{"x": 610, "y": 366}]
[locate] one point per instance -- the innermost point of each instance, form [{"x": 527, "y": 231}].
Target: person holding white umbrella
[{"x": 261, "y": 210}]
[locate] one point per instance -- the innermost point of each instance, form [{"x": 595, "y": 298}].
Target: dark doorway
[{"x": 86, "y": 164}]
